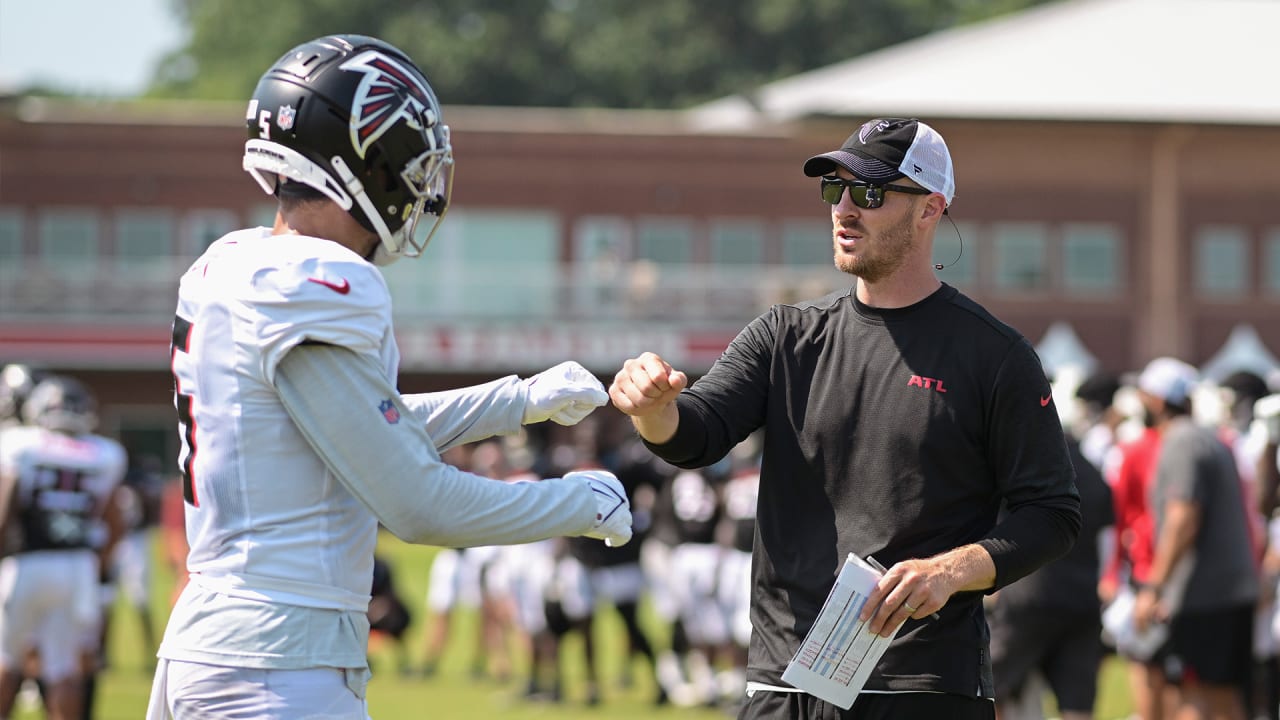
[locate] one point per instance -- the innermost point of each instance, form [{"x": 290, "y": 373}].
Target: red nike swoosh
[
  {"x": 1045, "y": 400},
  {"x": 342, "y": 289}
]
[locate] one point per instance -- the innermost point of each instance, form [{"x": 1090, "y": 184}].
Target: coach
[{"x": 898, "y": 416}]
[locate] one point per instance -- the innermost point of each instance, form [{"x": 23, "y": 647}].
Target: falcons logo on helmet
[{"x": 387, "y": 94}]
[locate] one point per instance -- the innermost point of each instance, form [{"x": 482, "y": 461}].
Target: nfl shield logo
[
  {"x": 285, "y": 116},
  {"x": 389, "y": 412}
]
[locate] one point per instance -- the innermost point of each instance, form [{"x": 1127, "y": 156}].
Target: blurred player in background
[
  {"x": 137, "y": 501},
  {"x": 593, "y": 576},
  {"x": 296, "y": 443},
  {"x": 56, "y": 477},
  {"x": 695, "y": 569},
  {"x": 388, "y": 615},
  {"x": 457, "y": 581},
  {"x": 736, "y": 535}
]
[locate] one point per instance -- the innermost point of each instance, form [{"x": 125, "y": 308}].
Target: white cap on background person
[{"x": 1169, "y": 379}]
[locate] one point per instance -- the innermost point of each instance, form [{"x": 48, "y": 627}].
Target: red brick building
[{"x": 1149, "y": 225}]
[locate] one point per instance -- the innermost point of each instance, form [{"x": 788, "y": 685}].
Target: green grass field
[{"x": 451, "y": 694}]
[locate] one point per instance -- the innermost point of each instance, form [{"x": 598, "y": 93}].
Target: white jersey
[
  {"x": 265, "y": 518},
  {"x": 282, "y": 509},
  {"x": 63, "y": 482}
]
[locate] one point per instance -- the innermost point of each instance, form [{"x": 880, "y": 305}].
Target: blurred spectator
[
  {"x": 1096, "y": 428},
  {"x": 1267, "y": 415},
  {"x": 1202, "y": 577},
  {"x": 1266, "y": 464},
  {"x": 1051, "y": 620},
  {"x": 1239, "y": 392},
  {"x": 1130, "y": 471}
]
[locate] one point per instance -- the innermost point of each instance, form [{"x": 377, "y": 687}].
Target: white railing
[{"x": 145, "y": 291}]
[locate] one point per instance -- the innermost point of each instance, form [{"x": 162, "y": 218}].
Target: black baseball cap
[{"x": 885, "y": 149}]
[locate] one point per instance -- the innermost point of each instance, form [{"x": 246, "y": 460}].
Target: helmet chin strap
[
  {"x": 389, "y": 241},
  {"x": 381, "y": 257}
]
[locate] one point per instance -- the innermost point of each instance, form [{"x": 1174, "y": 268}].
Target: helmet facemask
[
  {"x": 425, "y": 182},
  {"x": 357, "y": 121}
]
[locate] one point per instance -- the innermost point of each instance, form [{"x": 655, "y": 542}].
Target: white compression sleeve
[
  {"x": 332, "y": 395},
  {"x": 463, "y": 415}
]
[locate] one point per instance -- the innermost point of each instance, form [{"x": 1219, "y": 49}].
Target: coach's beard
[{"x": 877, "y": 257}]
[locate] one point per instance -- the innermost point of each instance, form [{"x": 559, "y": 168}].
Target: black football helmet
[
  {"x": 353, "y": 117},
  {"x": 61, "y": 403}
]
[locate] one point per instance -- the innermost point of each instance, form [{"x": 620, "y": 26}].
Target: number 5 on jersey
[{"x": 183, "y": 397}]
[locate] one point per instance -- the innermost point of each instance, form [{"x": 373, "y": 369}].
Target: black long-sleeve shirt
[{"x": 895, "y": 433}]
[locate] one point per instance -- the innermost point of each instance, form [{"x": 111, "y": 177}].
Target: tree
[{"x": 604, "y": 53}]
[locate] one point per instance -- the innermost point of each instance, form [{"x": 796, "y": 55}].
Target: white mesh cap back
[{"x": 928, "y": 162}]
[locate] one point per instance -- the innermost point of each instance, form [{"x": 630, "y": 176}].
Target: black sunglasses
[{"x": 863, "y": 194}]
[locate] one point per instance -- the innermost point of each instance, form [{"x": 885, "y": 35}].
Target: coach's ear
[{"x": 933, "y": 208}]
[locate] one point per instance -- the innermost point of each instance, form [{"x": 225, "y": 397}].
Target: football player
[
  {"x": 57, "y": 477},
  {"x": 296, "y": 443},
  {"x": 16, "y": 382}
]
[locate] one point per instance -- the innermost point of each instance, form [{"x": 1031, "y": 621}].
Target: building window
[
  {"x": 601, "y": 240},
  {"x": 737, "y": 242},
  {"x": 487, "y": 264},
  {"x": 807, "y": 243},
  {"x": 144, "y": 236},
  {"x": 1020, "y": 256},
  {"x": 956, "y": 249},
  {"x": 201, "y": 228},
  {"x": 1091, "y": 258},
  {"x": 1221, "y": 261},
  {"x": 602, "y": 261},
  {"x": 11, "y": 246},
  {"x": 68, "y": 240},
  {"x": 1271, "y": 268},
  {"x": 665, "y": 241},
  {"x": 263, "y": 215}
]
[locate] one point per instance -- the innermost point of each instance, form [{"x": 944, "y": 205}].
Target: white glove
[
  {"x": 566, "y": 393},
  {"x": 1267, "y": 410},
  {"x": 613, "y": 510}
]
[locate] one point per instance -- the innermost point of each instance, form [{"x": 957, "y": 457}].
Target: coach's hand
[
  {"x": 564, "y": 394},
  {"x": 645, "y": 388},
  {"x": 920, "y": 587},
  {"x": 613, "y": 510}
]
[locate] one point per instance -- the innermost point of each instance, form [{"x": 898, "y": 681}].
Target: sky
[{"x": 97, "y": 47}]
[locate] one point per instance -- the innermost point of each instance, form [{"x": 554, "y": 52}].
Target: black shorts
[
  {"x": 766, "y": 705},
  {"x": 558, "y": 622},
  {"x": 1065, "y": 646},
  {"x": 1214, "y": 647}
]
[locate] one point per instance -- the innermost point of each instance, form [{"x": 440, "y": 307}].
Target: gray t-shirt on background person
[{"x": 1217, "y": 571}]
